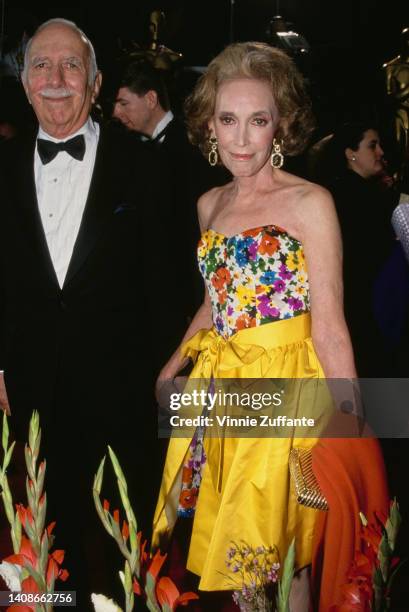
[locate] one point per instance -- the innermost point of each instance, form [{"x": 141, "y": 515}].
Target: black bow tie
[
  {"x": 47, "y": 149},
  {"x": 157, "y": 141}
]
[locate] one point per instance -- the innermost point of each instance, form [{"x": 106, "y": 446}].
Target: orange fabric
[{"x": 351, "y": 475}]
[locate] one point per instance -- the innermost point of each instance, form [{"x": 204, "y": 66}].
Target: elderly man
[{"x": 83, "y": 293}]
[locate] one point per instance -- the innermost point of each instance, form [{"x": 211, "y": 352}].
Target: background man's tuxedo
[
  {"x": 193, "y": 176},
  {"x": 85, "y": 355}
]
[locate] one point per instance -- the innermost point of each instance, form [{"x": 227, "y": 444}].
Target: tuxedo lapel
[
  {"x": 98, "y": 207},
  {"x": 25, "y": 198}
]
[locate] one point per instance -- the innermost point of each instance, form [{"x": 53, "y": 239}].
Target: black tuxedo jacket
[
  {"x": 193, "y": 176},
  {"x": 85, "y": 355}
]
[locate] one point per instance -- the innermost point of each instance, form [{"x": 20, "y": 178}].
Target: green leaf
[
  {"x": 99, "y": 477},
  {"x": 44, "y": 553},
  {"x": 101, "y": 513},
  {"x": 151, "y": 601},
  {"x": 39, "y": 580},
  {"x": 128, "y": 577},
  {"x": 5, "y": 433},
  {"x": 378, "y": 599},
  {"x": 7, "y": 502},
  {"x": 117, "y": 468},
  {"x": 30, "y": 493},
  {"x": 284, "y": 584},
  {"x": 16, "y": 534},
  {"x": 393, "y": 524},
  {"x": 125, "y": 501},
  {"x": 377, "y": 578},
  {"x": 40, "y": 518},
  {"x": 33, "y": 442},
  {"x": 40, "y": 477},
  {"x": 29, "y": 531},
  {"x": 29, "y": 461},
  {"x": 116, "y": 531},
  {"x": 384, "y": 556},
  {"x": 7, "y": 457},
  {"x": 394, "y": 572}
]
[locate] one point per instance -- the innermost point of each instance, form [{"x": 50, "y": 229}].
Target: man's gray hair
[{"x": 92, "y": 68}]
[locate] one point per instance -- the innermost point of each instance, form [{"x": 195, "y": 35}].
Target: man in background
[{"x": 142, "y": 105}]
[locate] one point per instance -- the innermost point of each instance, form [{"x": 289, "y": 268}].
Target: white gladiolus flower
[
  {"x": 10, "y": 572},
  {"x": 103, "y": 604}
]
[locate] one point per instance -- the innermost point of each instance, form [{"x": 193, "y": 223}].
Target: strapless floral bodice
[{"x": 253, "y": 278}]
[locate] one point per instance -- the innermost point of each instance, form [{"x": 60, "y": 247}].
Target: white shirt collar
[
  {"x": 167, "y": 118},
  {"x": 88, "y": 129}
]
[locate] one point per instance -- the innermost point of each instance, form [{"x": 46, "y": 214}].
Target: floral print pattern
[
  {"x": 192, "y": 476},
  {"x": 255, "y": 277}
]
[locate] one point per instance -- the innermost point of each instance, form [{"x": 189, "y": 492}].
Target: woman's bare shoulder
[
  {"x": 207, "y": 204},
  {"x": 308, "y": 199},
  {"x": 315, "y": 212},
  {"x": 304, "y": 189}
]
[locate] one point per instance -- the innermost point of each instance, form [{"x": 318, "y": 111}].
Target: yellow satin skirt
[{"x": 246, "y": 494}]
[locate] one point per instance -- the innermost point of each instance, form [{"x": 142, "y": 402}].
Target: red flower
[
  {"x": 252, "y": 232},
  {"x": 125, "y": 530},
  {"x": 222, "y": 296},
  {"x": 168, "y": 594},
  {"x": 188, "y": 497},
  {"x": 50, "y": 528},
  {"x": 156, "y": 564},
  {"x": 268, "y": 245},
  {"x": 372, "y": 535},
  {"x": 365, "y": 569},
  {"x": 143, "y": 555},
  {"x": 221, "y": 278},
  {"x": 55, "y": 560},
  {"x": 244, "y": 321},
  {"x": 24, "y": 514},
  {"x": 136, "y": 587},
  {"x": 165, "y": 590},
  {"x": 362, "y": 566},
  {"x": 26, "y": 554},
  {"x": 187, "y": 474}
]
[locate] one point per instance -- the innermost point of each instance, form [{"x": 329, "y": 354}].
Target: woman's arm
[
  {"x": 201, "y": 320},
  {"x": 323, "y": 251}
]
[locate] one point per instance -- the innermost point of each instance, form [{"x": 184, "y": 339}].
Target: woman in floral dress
[{"x": 271, "y": 258}]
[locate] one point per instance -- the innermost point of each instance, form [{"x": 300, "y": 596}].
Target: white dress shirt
[
  {"x": 161, "y": 126},
  {"x": 62, "y": 188}
]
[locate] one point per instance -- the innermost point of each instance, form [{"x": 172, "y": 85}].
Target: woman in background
[{"x": 376, "y": 282}]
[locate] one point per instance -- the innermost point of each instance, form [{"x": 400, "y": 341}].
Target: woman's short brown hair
[{"x": 256, "y": 61}]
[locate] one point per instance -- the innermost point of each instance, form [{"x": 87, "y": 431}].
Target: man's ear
[
  {"x": 349, "y": 154},
  {"x": 96, "y": 87},
  {"x": 151, "y": 98}
]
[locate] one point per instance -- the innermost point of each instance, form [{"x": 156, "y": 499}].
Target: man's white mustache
[{"x": 62, "y": 92}]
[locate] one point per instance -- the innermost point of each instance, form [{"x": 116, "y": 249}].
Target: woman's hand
[{"x": 165, "y": 387}]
